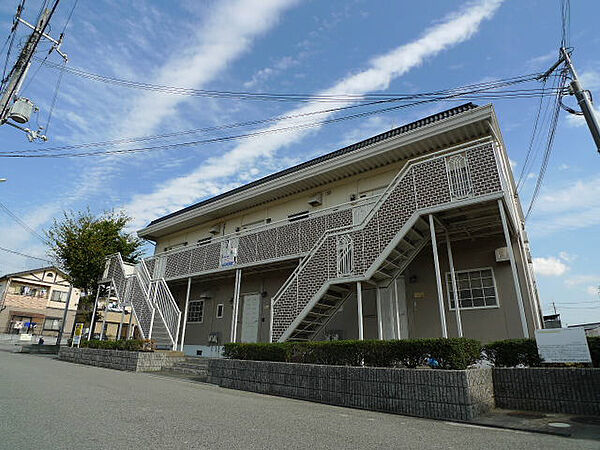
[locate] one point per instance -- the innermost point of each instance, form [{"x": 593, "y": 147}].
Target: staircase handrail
[
  {"x": 167, "y": 308},
  {"x": 357, "y": 227}
]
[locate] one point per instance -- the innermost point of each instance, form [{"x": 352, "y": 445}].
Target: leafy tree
[{"x": 80, "y": 242}]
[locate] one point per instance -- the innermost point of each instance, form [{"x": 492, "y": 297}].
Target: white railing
[
  {"x": 167, "y": 308},
  {"x": 345, "y": 255},
  {"x": 463, "y": 187},
  {"x": 158, "y": 262}
]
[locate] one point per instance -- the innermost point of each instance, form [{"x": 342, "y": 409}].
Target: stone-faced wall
[
  {"x": 439, "y": 394},
  {"x": 561, "y": 390},
  {"x": 120, "y": 359}
]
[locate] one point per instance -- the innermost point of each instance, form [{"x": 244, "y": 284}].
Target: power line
[
  {"x": 455, "y": 94},
  {"x": 15, "y": 252},
  {"x": 23, "y": 224}
]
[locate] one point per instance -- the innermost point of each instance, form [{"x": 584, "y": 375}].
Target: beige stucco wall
[
  {"x": 332, "y": 194},
  {"x": 221, "y": 292}
]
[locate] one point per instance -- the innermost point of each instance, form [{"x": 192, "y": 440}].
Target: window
[
  {"x": 205, "y": 240},
  {"x": 298, "y": 216},
  {"x": 50, "y": 275},
  {"x": 476, "y": 289},
  {"x": 175, "y": 246},
  {"x": 59, "y": 296},
  {"x": 196, "y": 311},
  {"x": 458, "y": 176},
  {"x": 52, "y": 323},
  {"x": 220, "y": 311}
]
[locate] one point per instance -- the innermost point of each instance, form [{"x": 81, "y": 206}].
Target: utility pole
[
  {"x": 65, "y": 315},
  {"x": 583, "y": 96},
  {"x": 24, "y": 107}
]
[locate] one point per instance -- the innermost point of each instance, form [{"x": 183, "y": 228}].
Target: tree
[{"x": 81, "y": 241}]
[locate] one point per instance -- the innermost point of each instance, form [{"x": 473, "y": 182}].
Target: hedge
[
  {"x": 452, "y": 353},
  {"x": 515, "y": 352},
  {"x": 133, "y": 345}
]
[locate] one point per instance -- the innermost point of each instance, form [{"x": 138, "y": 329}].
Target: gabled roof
[
  {"x": 442, "y": 130},
  {"x": 348, "y": 149},
  {"x": 39, "y": 269}
]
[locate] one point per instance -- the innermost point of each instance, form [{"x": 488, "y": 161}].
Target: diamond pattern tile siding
[
  {"x": 431, "y": 183},
  {"x": 213, "y": 252},
  {"x": 266, "y": 244},
  {"x": 247, "y": 249},
  {"x": 150, "y": 263},
  {"x": 423, "y": 185},
  {"x": 178, "y": 263},
  {"x": 485, "y": 179},
  {"x": 197, "y": 259}
]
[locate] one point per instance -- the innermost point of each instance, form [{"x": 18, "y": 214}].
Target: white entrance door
[
  {"x": 401, "y": 309},
  {"x": 250, "y": 318}
]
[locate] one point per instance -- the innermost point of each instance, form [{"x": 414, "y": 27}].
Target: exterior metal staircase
[
  {"x": 380, "y": 247},
  {"x": 155, "y": 310}
]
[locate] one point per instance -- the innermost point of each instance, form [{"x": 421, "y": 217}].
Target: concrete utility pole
[
  {"x": 65, "y": 315},
  {"x": 16, "y": 77},
  {"x": 583, "y": 99},
  {"x": 583, "y": 96}
]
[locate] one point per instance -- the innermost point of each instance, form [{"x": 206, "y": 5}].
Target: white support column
[
  {"x": 93, "y": 313},
  {"x": 438, "y": 278},
  {"x": 236, "y": 304},
  {"x": 130, "y": 324},
  {"x": 185, "y": 313},
  {"x": 121, "y": 322},
  {"x": 397, "y": 308},
  {"x": 513, "y": 266},
  {"x": 379, "y": 314},
  {"x": 271, "y": 322},
  {"x": 454, "y": 287},
  {"x": 360, "y": 310},
  {"x": 105, "y": 312}
]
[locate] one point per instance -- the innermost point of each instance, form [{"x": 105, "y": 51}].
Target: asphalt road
[{"x": 47, "y": 403}]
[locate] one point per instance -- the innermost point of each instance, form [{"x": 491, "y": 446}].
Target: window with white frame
[
  {"x": 476, "y": 288},
  {"x": 59, "y": 296},
  {"x": 459, "y": 177},
  {"x": 220, "y": 309},
  {"x": 196, "y": 311}
]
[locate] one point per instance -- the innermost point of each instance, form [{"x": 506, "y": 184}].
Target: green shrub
[
  {"x": 515, "y": 352},
  {"x": 594, "y": 344},
  {"x": 134, "y": 345},
  {"x": 454, "y": 353}
]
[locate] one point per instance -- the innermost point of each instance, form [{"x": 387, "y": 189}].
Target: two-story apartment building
[
  {"x": 377, "y": 240},
  {"x": 33, "y": 302}
]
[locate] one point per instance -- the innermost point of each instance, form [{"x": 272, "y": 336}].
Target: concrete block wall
[
  {"x": 120, "y": 359},
  {"x": 560, "y": 390},
  {"x": 448, "y": 394}
]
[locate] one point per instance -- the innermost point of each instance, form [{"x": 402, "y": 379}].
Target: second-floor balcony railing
[
  {"x": 276, "y": 240},
  {"x": 288, "y": 239}
]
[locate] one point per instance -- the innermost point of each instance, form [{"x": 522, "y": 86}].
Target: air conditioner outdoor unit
[
  {"x": 502, "y": 254},
  {"x": 316, "y": 200},
  {"x": 215, "y": 229}
]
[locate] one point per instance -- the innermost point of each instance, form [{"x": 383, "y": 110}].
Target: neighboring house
[
  {"x": 340, "y": 247},
  {"x": 115, "y": 321},
  {"x": 33, "y": 302},
  {"x": 591, "y": 329}
]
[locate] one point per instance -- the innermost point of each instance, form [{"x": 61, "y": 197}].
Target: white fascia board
[{"x": 409, "y": 137}]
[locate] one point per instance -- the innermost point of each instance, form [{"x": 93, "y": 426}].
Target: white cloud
[
  {"x": 215, "y": 173},
  {"x": 577, "y": 280},
  {"x": 593, "y": 290},
  {"x": 540, "y": 62},
  {"x": 574, "y": 206},
  {"x": 228, "y": 33},
  {"x": 567, "y": 256},
  {"x": 263, "y": 75},
  {"x": 550, "y": 266}
]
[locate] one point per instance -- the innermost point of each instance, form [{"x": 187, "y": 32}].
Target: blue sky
[{"x": 307, "y": 47}]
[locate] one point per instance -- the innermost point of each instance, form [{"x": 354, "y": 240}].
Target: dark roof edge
[
  {"x": 348, "y": 149},
  {"x": 38, "y": 269}
]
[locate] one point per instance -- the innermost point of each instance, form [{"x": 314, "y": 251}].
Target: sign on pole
[
  {"x": 77, "y": 334},
  {"x": 563, "y": 345}
]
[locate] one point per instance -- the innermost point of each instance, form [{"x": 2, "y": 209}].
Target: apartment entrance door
[{"x": 250, "y": 318}]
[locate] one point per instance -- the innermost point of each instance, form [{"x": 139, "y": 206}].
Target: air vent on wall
[{"x": 316, "y": 200}]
